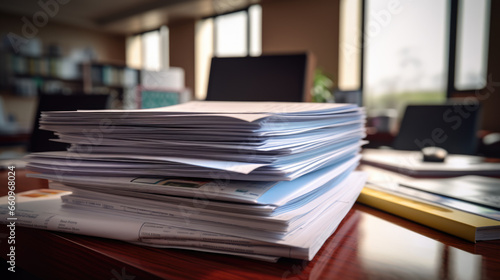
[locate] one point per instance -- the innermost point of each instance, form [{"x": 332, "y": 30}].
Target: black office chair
[
  {"x": 40, "y": 139},
  {"x": 452, "y": 127},
  {"x": 262, "y": 78}
]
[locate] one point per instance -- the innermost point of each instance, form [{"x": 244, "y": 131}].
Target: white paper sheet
[{"x": 304, "y": 242}]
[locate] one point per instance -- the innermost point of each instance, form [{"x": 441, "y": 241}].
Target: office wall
[
  {"x": 182, "y": 46},
  {"x": 108, "y": 47},
  {"x": 298, "y": 25},
  {"x": 287, "y": 26}
]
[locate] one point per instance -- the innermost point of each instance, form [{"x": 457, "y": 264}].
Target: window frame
[
  {"x": 164, "y": 58},
  {"x": 213, "y": 17},
  {"x": 451, "y": 90},
  {"x": 454, "y": 16}
]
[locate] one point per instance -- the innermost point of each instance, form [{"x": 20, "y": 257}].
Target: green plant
[{"x": 322, "y": 87}]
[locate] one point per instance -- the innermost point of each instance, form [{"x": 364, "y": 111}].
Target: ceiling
[{"x": 123, "y": 16}]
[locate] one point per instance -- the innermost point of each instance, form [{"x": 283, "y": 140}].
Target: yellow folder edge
[{"x": 449, "y": 220}]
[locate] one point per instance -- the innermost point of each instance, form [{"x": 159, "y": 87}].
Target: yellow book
[{"x": 456, "y": 222}]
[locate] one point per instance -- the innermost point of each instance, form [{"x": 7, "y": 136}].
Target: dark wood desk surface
[{"x": 369, "y": 244}]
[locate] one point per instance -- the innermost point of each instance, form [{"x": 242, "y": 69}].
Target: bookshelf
[
  {"x": 28, "y": 76},
  {"x": 25, "y": 75},
  {"x": 115, "y": 79}
]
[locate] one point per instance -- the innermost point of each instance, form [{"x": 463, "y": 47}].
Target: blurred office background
[{"x": 383, "y": 54}]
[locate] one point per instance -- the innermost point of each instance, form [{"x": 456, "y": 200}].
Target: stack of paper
[
  {"x": 236, "y": 140},
  {"x": 260, "y": 179}
]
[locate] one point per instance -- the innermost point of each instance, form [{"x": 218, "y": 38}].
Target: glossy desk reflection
[{"x": 368, "y": 244}]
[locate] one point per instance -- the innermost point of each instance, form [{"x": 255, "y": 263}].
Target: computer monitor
[
  {"x": 40, "y": 139},
  {"x": 262, "y": 78}
]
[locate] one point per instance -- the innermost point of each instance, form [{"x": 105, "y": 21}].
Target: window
[
  {"x": 472, "y": 44},
  {"x": 233, "y": 34},
  {"x": 148, "y": 50},
  {"x": 405, "y": 53},
  {"x": 255, "y": 17},
  {"x": 395, "y": 55},
  {"x": 151, "y": 47},
  {"x": 350, "y": 45},
  {"x": 203, "y": 53}
]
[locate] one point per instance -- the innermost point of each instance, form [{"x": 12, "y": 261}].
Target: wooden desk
[{"x": 369, "y": 244}]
